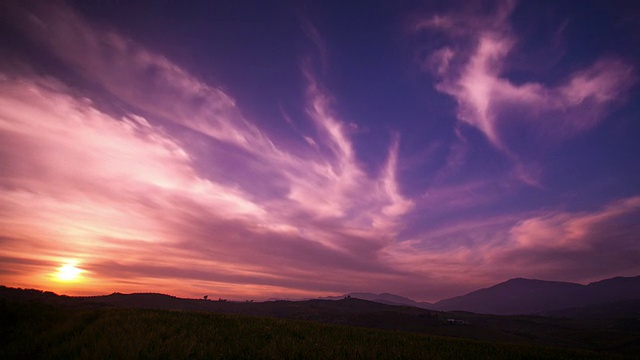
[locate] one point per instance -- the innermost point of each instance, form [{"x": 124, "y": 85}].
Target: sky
[{"x": 297, "y": 149}]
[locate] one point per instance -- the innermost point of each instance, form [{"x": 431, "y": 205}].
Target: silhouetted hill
[
  {"x": 526, "y": 296},
  {"x": 349, "y": 311},
  {"x": 600, "y": 334},
  {"x": 605, "y": 310},
  {"x": 606, "y": 298},
  {"x": 384, "y": 298},
  {"x": 614, "y": 289}
]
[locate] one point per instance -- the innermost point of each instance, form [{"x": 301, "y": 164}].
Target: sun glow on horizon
[{"x": 68, "y": 273}]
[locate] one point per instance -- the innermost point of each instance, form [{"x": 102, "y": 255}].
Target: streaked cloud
[
  {"x": 122, "y": 193},
  {"x": 473, "y": 70},
  {"x": 573, "y": 246}
]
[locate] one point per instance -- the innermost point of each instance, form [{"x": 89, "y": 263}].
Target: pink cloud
[
  {"x": 70, "y": 141},
  {"x": 141, "y": 78},
  {"x": 554, "y": 245},
  {"x": 472, "y": 70},
  {"x": 75, "y": 177},
  {"x": 397, "y": 204},
  {"x": 569, "y": 231},
  {"x": 582, "y": 246}
]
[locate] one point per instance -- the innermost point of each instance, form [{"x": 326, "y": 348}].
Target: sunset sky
[{"x": 294, "y": 149}]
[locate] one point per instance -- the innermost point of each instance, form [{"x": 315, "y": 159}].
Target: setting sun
[{"x": 68, "y": 272}]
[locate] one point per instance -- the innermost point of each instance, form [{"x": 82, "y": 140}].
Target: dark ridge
[
  {"x": 596, "y": 333},
  {"x": 528, "y": 296}
]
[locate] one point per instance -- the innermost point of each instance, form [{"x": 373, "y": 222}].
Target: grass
[{"x": 32, "y": 330}]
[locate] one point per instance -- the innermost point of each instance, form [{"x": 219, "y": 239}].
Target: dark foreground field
[{"x": 31, "y": 330}]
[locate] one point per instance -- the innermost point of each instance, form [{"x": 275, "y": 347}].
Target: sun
[{"x": 68, "y": 272}]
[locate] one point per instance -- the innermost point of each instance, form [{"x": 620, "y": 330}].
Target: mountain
[
  {"x": 384, "y": 298},
  {"x": 527, "y": 296}
]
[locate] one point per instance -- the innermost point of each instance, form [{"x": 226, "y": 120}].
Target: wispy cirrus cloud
[
  {"x": 473, "y": 70},
  {"x": 126, "y": 196},
  {"x": 154, "y": 84},
  {"x": 148, "y": 81},
  {"x": 121, "y": 196},
  {"x": 77, "y": 179}
]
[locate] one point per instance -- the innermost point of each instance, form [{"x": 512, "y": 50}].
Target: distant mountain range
[
  {"x": 384, "y": 298},
  {"x": 528, "y": 296},
  {"x": 616, "y": 297}
]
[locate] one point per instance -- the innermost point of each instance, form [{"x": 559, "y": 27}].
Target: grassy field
[{"x": 32, "y": 330}]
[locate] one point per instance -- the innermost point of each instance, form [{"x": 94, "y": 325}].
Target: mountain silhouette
[
  {"x": 616, "y": 297},
  {"x": 384, "y": 298},
  {"x": 527, "y": 296}
]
